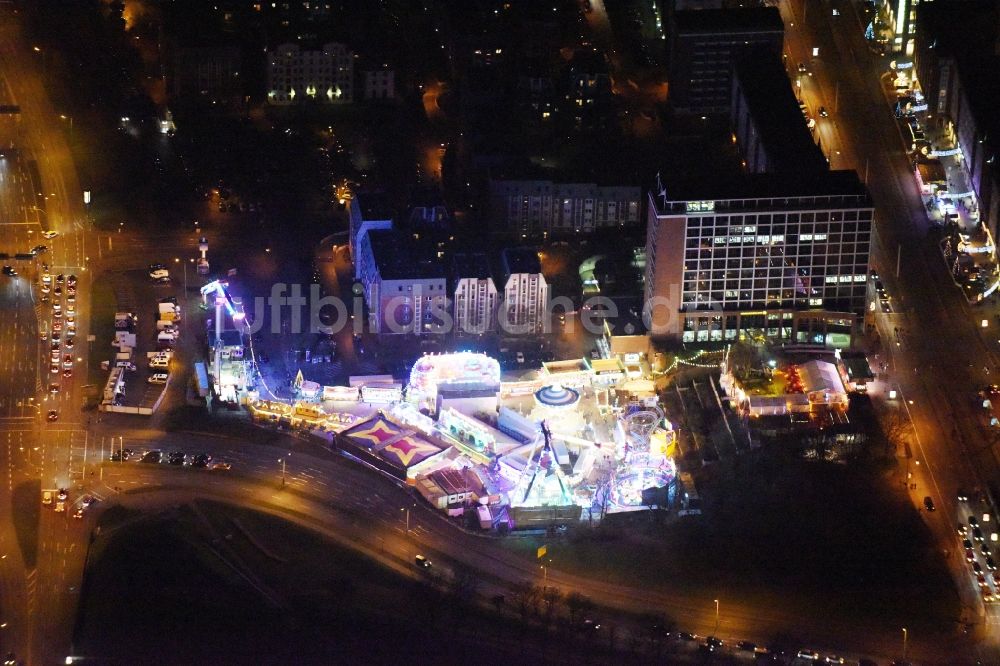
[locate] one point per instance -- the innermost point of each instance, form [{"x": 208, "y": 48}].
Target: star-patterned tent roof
[
  {"x": 408, "y": 451},
  {"x": 374, "y": 433},
  {"x": 400, "y": 446}
]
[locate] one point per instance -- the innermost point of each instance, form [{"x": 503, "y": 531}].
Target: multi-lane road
[
  {"x": 37, "y": 603},
  {"x": 942, "y": 358}
]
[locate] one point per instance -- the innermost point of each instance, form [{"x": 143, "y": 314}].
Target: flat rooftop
[
  {"x": 776, "y": 115},
  {"x": 717, "y": 21},
  {"x": 521, "y": 260},
  {"x": 375, "y": 205},
  {"x": 399, "y": 257},
  {"x": 690, "y": 186},
  {"x": 471, "y": 265}
]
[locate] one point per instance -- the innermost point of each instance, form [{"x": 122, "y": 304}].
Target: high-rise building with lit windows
[{"x": 765, "y": 257}]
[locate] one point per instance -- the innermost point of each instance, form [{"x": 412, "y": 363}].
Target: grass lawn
[
  {"x": 831, "y": 540},
  {"x": 172, "y": 588}
]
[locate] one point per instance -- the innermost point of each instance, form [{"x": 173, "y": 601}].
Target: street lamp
[
  {"x": 407, "y": 520},
  {"x": 282, "y": 461},
  {"x": 716, "y": 616},
  {"x": 905, "y": 637}
]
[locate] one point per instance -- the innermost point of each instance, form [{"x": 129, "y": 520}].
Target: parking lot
[{"x": 138, "y": 325}]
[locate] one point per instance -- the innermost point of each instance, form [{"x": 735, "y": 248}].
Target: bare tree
[
  {"x": 896, "y": 428},
  {"x": 525, "y": 597},
  {"x": 550, "y": 597},
  {"x": 578, "y": 606}
]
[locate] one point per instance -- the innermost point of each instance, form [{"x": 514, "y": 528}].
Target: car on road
[
  {"x": 991, "y": 563},
  {"x": 712, "y": 644},
  {"x": 71, "y": 281},
  {"x": 49, "y": 235},
  {"x": 802, "y": 68},
  {"x": 746, "y": 646},
  {"x": 128, "y": 365},
  {"x": 67, "y": 373},
  {"x": 63, "y": 494},
  {"x": 177, "y": 458},
  {"x": 40, "y": 249},
  {"x": 53, "y": 388},
  {"x": 422, "y": 562},
  {"x": 60, "y": 507},
  {"x": 520, "y": 358},
  {"x": 53, "y": 415},
  {"x": 86, "y": 501},
  {"x": 201, "y": 460},
  {"x": 811, "y": 655},
  {"x": 46, "y": 278},
  {"x": 54, "y": 368},
  {"x": 68, "y": 361},
  {"x": 154, "y": 456},
  {"x": 60, "y": 278},
  {"x": 46, "y": 289},
  {"x": 977, "y": 568},
  {"x": 996, "y": 577},
  {"x": 220, "y": 466},
  {"x": 69, "y": 342},
  {"x": 9, "y": 271},
  {"x": 963, "y": 495},
  {"x": 158, "y": 378},
  {"x": 833, "y": 659},
  {"x": 984, "y": 548},
  {"x": 981, "y": 579},
  {"x": 122, "y": 455},
  {"x": 687, "y": 636},
  {"x": 78, "y": 514},
  {"x": 966, "y": 544},
  {"x": 46, "y": 497},
  {"x": 977, "y": 534},
  {"x": 970, "y": 556},
  {"x": 963, "y": 531},
  {"x": 973, "y": 522},
  {"x": 887, "y": 309},
  {"x": 928, "y": 503}
]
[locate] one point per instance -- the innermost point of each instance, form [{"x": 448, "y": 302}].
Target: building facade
[
  {"x": 704, "y": 44},
  {"x": 367, "y": 211},
  {"x": 526, "y": 293},
  {"x": 532, "y": 208},
  {"x": 297, "y": 76},
  {"x": 957, "y": 69},
  {"x": 207, "y": 73},
  {"x": 474, "y": 298},
  {"x": 405, "y": 289},
  {"x": 770, "y": 259},
  {"x": 380, "y": 84}
]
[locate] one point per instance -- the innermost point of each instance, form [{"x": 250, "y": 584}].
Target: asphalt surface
[
  {"x": 37, "y": 605},
  {"x": 940, "y": 362}
]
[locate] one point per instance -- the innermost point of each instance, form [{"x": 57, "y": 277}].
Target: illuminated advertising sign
[{"x": 700, "y": 206}]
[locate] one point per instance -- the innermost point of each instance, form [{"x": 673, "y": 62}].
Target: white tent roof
[{"x": 820, "y": 376}]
